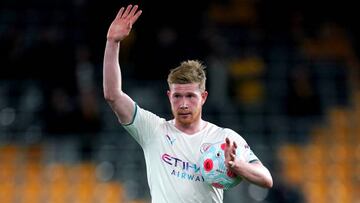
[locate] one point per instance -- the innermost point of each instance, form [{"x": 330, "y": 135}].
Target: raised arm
[{"x": 121, "y": 103}]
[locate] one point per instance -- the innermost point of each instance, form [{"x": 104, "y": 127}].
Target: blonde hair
[{"x": 190, "y": 71}]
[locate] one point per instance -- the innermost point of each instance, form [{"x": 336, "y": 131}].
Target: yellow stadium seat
[
  {"x": 7, "y": 191},
  {"x": 109, "y": 192},
  {"x": 315, "y": 191}
]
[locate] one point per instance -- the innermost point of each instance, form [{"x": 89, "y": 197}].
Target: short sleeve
[{"x": 143, "y": 125}]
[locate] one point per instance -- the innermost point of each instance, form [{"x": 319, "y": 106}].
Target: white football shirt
[{"x": 171, "y": 157}]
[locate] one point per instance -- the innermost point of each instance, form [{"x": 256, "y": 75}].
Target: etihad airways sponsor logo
[{"x": 182, "y": 169}]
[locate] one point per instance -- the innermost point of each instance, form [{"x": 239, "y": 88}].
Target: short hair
[{"x": 190, "y": 71}]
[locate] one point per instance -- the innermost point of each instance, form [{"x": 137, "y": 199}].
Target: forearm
[
  {"x": 121, "y": 103},
  {"x": 112, "y": 80},
  {"x": 254, "y": 172}
]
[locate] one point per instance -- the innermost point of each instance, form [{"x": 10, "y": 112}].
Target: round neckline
[{"x": 172, "y": 123}]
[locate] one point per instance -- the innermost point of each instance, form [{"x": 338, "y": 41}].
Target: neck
[{"x": 191, "y": 128}]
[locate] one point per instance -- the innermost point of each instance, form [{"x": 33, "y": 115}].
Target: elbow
[
  {"x": 265, "y": 184},
  {"x": 265, "y": 181},
  {"x": 268, "y": 183}
]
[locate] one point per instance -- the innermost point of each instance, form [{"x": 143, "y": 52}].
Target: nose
[{"x": 183, "y": 104}]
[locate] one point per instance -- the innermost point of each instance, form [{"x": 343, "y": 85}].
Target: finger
[
  {"x": 126, "y": 13},
  {"x": 233, "y": 151},
  {"x": 133, "y": 10},
  {"x": 233, "y": 156},
  {"x": 235, "y": 145},
  {"x": 231, "y": 164},
  {"x": 227, "y": 140},
  {"x": 119, "y": 14},
  {"x": 136, "y": 16}
]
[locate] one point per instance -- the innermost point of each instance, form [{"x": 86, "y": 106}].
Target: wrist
[
  {"x": 112, "y": 40},
  {"x": 112, "y": 43}
]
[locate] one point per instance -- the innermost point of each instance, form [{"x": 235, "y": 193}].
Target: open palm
[{"x": 122, "y": 24}]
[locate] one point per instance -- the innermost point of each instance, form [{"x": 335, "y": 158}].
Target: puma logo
[{"x": 171, "y": 141}]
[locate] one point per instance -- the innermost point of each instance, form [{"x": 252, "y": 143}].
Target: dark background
[{"x": 277, "y": 72}]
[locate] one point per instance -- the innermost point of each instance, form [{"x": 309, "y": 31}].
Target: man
[{"x": 173, "y": 148}]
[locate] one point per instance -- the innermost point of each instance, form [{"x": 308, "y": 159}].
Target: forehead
[{"x": 183, "y": 88}]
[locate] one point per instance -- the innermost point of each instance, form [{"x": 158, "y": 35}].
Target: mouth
[{"x": 184, "y": 113}]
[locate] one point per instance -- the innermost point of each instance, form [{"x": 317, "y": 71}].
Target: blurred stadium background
[{"x": 284, "y": 74}]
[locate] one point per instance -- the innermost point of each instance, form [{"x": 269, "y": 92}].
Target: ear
[
  {"x": 168, "y": 94},
  {"x": 204, "y": 96}
]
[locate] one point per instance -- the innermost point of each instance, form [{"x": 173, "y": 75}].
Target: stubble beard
[{"x": 190, "y": 119}]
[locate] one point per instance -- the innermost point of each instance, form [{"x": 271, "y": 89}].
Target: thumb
[{"x": 232, "y": 164}]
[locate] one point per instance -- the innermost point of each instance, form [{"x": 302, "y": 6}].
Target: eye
[{"x": 218, "y": 154}]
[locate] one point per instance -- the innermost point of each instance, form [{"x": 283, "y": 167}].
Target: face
[{"x": 186, "y": 102}]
